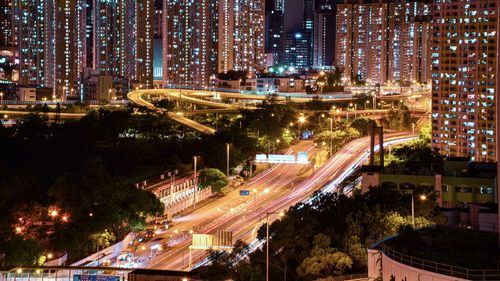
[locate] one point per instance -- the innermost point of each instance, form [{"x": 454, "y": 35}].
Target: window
[
  {"x": 485, "y": 190},
  {"x": 464, "y": 189},
  {"x": 444, "y": 188}
]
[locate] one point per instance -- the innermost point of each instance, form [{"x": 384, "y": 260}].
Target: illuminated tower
[
  {"x": 34, "y": 31},
  {"x": 324, "y": 35},
  {"x": 186, "y": 42},
  {"x": 464, "y": 78},
  {"x": 69, "y": 41},
  {"x": 225, "y": 36},
  {"x": 249, "y": 35},
  {"x": 383, "y": 41},
  {"x": 6, "y": 34}
]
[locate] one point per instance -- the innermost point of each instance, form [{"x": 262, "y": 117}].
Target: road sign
[
  {"x": 85, "y": 277},
  {"x": 244, "y": 192}
]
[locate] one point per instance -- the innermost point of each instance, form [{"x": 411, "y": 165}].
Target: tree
[
  {"x": 166, "y": 104},
  {"x": 103, "y": 239},
  {"x": 363, "y": 125},
  {"x": 213, "y": 178},
  {"x": 398, "y": 119},
  {"x": 324, "y": 261}
]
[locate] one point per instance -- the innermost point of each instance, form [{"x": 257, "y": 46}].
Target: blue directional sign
[
  {"x": 86, "y": 277},
  {"x": 244, "y": 192}
]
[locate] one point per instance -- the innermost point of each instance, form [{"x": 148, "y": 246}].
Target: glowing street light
[
  {"x": 422, "y": 198},
  {"x": 53, "y": 213}
]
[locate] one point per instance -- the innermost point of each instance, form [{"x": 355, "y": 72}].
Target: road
[{"x": 244, "y": 215}]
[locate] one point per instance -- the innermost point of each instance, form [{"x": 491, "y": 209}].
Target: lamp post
[
  {"x": 195, "y": 158},
  {"x": 281, "y": 214},
  {"x": 421, "y": 197},
  {"x": 355, "y": 108},
  {"x": 227, "y": 159},
  {"x": 302, "y": 119},
  {"x": 331, "y": 135}
]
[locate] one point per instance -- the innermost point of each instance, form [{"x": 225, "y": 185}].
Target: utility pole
[
  {"x": 195, "y": 181},
  {"x": 227, "y": 160}
]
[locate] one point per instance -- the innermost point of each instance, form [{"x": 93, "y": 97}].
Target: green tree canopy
[{"x": 213, "y": 178}]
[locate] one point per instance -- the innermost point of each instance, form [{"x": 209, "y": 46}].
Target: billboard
[
  {"x": 301, "y": 158},
  {"x": 86, "y": 277}
]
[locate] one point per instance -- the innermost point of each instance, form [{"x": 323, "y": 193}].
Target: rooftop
[{"x": 453, "y": 246}]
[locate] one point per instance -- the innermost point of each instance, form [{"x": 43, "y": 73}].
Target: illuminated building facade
[
  {"x": 225, "y": 40},
  {"x": 249, "y": 48},
  {"x": 34, "y": 31},
  {"x": 59, "y": 39},
  {"x": 275, "y": 39},
  {"x": 69, "y": 41},
  {"x": 6, "y": 35},
  {"x": 383, "y": 41},
  {"x": 139, "y": 51},
  {"x": 298, "y": 49},
  {"x": 186, "y": 43},
  {"x": 464, "y": 78},
  {"x": 324, "y": 36}
]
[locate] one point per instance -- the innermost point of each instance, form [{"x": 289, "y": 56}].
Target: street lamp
[
  {"x": 281, "y": 214},
  {"x": 355, "y": 108},
  {"x": 227, "y": 159},
  {"x": 422, "y": 198},
  {"x": 195, "y": 158},
  {"x": 302, "y": 119},
  {"x": 331, "y": 135},
  {"x": 321, "y": 84}
]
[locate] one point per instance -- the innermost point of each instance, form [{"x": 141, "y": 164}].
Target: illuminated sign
[
  {"x": 84, "y": 277},
  {"x": 260, "y": 157},
  {"x": 280, "y": 158},
  {"x": 301, "y": 158},
  {"x": 244, "y": 192}
]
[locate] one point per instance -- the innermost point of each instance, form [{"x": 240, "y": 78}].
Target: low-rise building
[
  {"x": 461, "y": 182},
  {"x": 26, "y": 93},
  {"x": 465, "y": 190},
  {"x": 176, "y": 194}
]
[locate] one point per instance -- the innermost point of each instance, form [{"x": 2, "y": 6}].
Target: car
[{"x": 150, "y": 233}]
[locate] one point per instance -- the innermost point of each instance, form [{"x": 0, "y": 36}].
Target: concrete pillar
[
  {"x": 372, "y": 146},
  {"x": 380, "y": 130}
]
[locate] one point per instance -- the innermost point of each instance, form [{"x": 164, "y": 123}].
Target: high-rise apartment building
[
  {"x": 383, "y": 41},
  {"x": 204, "y": 38},
  {"x": 225, "y": 40},
  {"x": 465, "y": 79},
  {"x": 186, "y": 43},
  {"x": 59, "y": 39},
  {"x": 298, "y": 49},
  {"x": 275, "y": 38},
  {"x": 34, "y": 31},
  {"x": 324, "y": 35},
  {"x": 69, "y": 40},
  {"x": 352, "y": 40},
  {"x": 6, "y": 36},
  {"x": 249, "y": 48},
  {"x": 139, "y": 51}
]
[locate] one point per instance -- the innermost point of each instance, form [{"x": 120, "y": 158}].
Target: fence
[
  {"x": 441, "y": 268},
  {"x": 64, "y": 273}
]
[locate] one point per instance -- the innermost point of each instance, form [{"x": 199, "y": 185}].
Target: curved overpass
[{"x": 196, "y": 96}]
